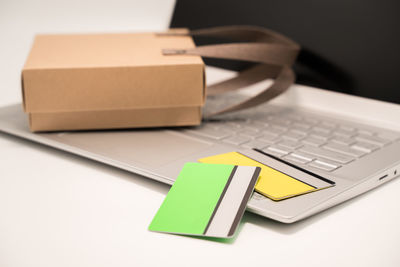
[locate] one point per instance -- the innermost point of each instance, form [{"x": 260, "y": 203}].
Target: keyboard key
[
  {"x": 278, "y": 149},
  {"x": 227, "y": 128},
  {"x": 328, "y": 162},
  {"x": 234, "y": 124},
  {"x": 273, "y": 153},
  {"x": 347, "y": 128},
  {"x": 252, "y": 128},
  {"x": 262, "y": 122},
  {"x": 252, "y": 125},
  {"x": 313, "y": 141},
  {"x": 321, "y": 128},
  {"x": 210, "y": 124},
  {"x": 274, "y": 130},
  {"x": 237, "y": 140},
  {"x": 250, "y": 133},
  {"x": 280, "y": 122},
  {"x": 296, "y": 159},
  {"x": 322, "y": 165},
  {"x": 302, "y": 125},
  {"x": 328, "y": 124},
  {"x": 320, "y": 135},
  {"x": 303, "y": 156},
  {"x": 290, "y": 144},
  {"x": 293, "y": 135},
  {"x": 327, "y": 154},
  {"x": 222, "y": 126},
  {"x": 298, "y": 130},
  {"x": 372, "y": 139},
  {"x": 343, "y": 133},
  {"x": 211, "y": 133},
  {"x": 367, "y": 147},
  {"x": 344, "y": 149},
  {"x": 294, "y": 117},
  {"x": 256, "y": 144},
  {"x": 270, "y": 118},
  {"x": 311, "y": 121},
  {"x": 366, "y": 132},
  {"x": 343, "y": 140},
  {"x": 269, "y": 138},
  {"x": 216, "y": 126}
]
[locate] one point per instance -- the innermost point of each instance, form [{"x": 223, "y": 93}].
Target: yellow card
[{"x": 271, "y": 183}]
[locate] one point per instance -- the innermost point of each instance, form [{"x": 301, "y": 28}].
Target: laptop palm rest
[{"x": 151, "y": 148}]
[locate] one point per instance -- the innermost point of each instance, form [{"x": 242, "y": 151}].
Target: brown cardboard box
[{"x": 104, "y": 81}]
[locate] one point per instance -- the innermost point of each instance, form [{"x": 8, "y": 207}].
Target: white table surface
[{"x": 57, "y": 209}]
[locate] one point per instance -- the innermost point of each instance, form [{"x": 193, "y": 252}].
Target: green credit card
[{"x": 206, "y": 200}]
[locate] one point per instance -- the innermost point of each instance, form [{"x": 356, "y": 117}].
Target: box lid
[{"x": 110, "y": 71}]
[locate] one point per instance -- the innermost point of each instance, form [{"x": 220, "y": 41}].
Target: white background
[{"x": 58, "y": 209}]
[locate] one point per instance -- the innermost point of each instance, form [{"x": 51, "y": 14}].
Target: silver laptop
[{"x": 305, "y": 127}]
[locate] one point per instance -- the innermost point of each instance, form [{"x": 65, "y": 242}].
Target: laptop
[
  {"x": 351, "y": 140},
  {"x": 356, "y": 154}
]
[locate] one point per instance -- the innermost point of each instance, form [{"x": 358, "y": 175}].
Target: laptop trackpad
[{"x": 152, "y": 148}]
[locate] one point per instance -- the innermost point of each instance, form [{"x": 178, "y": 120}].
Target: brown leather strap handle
[
  {"x": 275, "y": 53},
  {"x": 239, "y": 32}
]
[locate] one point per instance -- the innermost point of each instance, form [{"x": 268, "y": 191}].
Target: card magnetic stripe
[{"x": 232, "y": 203}]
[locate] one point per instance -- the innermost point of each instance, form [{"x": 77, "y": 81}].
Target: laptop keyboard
[{"x": 321, "y": 143}]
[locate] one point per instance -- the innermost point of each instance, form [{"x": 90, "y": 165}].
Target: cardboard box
[{"x": 105, "y": 81}]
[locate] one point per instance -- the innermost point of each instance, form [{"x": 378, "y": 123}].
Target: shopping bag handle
[{"x": 274, "y": 53}]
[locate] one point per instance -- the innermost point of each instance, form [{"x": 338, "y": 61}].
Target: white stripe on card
[{"x": 230, "y": 205}]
